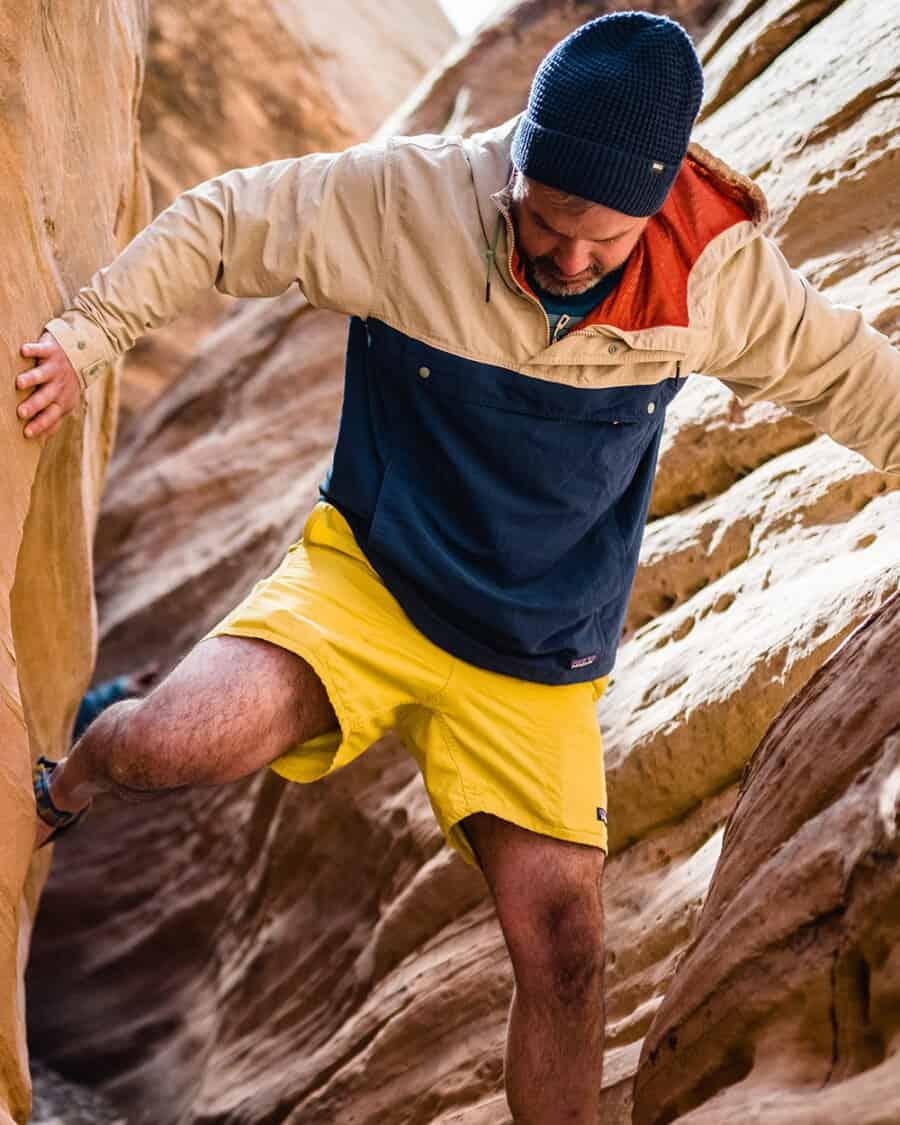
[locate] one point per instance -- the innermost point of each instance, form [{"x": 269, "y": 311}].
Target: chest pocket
[
  {"x": 506, "y": 483},
  {"x": 555, "y": 444}
]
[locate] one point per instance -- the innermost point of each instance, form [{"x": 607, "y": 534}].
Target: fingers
[
  {"x": 37, "y": 401},
  {"x": 45, "y": 408},
  {"x": 33, "y": 378},
  {"x": 38, "y": 348},
  {"x": 50, "y": 362},
  {"x": 47, "y": 421}
]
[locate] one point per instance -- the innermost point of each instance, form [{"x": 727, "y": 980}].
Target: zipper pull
[{"x": 560, "y": 326}]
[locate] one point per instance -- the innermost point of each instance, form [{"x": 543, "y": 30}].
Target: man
[{"x": 524, "y": 306}]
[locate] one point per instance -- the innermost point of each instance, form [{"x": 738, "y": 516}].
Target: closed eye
[{"x": 544, "y": 225}]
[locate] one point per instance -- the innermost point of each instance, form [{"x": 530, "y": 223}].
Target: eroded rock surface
[
  {"x": 298, "y": 955},
  {"x": 791, "y": 983},
  {"x": 71, "y": 195}
]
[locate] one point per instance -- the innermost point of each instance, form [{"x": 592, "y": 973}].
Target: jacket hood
[{"x": 710, "y": 212}]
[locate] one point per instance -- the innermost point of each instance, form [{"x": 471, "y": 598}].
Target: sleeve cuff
[{"x": 85, "y": 345}]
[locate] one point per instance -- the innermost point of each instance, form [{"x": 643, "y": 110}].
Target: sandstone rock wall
[
  {"x": 785, "y": 1010},
  {"x": 804, "y": 90},
  {"x": 294, "y": 955},
  {"x": 71, "y": 195},
  {"x": 769, "y": 547}
]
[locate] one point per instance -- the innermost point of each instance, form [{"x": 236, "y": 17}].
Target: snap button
[
  {"x": 613, "y": 348},
  {"x": 651, "y": 406},
  {"x": 81, "y": 345},
  {"x": 424, "y": 372}
]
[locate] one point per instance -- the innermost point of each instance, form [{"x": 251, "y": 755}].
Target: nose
[{"x": 572, "y": 257}]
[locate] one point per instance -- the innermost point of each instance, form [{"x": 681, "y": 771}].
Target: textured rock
[
  {"x": 747, "y": 37},
  {"x": 763, "y": 583},
  {"x": 225, "y": 89},
  {"x": 301, "y": 955},
  {"x": 791, "y": 982},
  {"x": 58, "y": 1102},
  {"x": 748, "y": 590},
  {"x": 70, "y": 195}
]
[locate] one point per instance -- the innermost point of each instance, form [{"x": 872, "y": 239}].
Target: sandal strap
[{"x": 47, "y": 811}]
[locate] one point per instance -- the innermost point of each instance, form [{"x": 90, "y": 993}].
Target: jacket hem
[{"x": 538, "y": 670}]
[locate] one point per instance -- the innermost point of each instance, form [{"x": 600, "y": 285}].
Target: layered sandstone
[
  {"x": 71, "y": 195},
  {"x": 785, "y": 1009},
  {"x": 265, "y": 952}
]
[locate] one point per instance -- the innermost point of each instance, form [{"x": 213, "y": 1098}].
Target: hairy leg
[
  {"x": 548, "y": 898},
  {"x": 229, "y": 708}
]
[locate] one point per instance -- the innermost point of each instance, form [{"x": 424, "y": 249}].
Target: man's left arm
[{"x": 775, "y": 337}]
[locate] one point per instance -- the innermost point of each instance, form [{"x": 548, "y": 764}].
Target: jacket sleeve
[
  {"x": 775, "y": 337},
  {"x": 251, "y": 232}
]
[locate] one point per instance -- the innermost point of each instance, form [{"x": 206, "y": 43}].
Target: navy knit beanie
[{"x": 610, "y": 113}]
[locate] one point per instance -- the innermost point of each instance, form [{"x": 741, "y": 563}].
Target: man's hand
[{"x": 58, "y": 389}]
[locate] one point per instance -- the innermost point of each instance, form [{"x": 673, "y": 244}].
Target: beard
[{"x": 544, "y": 273}]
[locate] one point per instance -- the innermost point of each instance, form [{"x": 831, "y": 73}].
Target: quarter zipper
[
  {"x": 560, "y": 327},
  {"x": 552, "y": 337},
  {"x": 511, "y": 239}
]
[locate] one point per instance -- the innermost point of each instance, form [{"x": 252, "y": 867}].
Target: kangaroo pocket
[{"x": 499, "y": 499}]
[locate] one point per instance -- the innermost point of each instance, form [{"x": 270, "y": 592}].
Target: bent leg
[
  {"x": 229, "y": 708},
  {"x": 548, "y": 898}
]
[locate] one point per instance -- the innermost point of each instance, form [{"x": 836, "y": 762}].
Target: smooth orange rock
[{"x": 71, "y": 195}]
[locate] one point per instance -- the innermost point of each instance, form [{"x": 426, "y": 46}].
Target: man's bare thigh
[{"x": 229, "y": 708}]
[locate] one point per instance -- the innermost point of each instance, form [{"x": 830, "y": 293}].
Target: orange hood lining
[{"x": 654, "y": 286}]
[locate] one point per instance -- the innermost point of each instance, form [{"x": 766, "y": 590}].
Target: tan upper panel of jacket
[{"x": 403, "y": 232}]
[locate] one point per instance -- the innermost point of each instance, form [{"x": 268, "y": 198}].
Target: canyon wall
[
  {"x": 785, "y": 1009},
  {"x": 71, "y": 195},
  {"x": 265, "y": 952}
]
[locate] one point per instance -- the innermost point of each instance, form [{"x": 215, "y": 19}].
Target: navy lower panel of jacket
[{"x": 504, "y": 513}]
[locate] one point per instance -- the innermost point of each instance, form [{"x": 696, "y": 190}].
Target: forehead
[{"x": 574, "y": 217}]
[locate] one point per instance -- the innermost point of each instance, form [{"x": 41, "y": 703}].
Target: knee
[
  {"x": 557, "y": 949},
  {"x": 139, "y": 752}
]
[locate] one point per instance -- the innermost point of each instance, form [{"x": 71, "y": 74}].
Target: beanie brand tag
[{"x": 657, "y": 167}]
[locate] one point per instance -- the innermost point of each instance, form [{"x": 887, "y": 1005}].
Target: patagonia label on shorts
[
  {"x": 583, "y": 661},
  {"x": 601, "y": 815}
]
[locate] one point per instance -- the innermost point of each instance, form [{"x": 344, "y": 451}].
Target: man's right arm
[{"x": 316, "y": 220}]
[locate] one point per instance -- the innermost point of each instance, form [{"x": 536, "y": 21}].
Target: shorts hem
[{"x": 456, "y": 837}]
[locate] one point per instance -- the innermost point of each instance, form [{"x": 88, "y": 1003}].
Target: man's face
[{"x": 569, "y": 243}]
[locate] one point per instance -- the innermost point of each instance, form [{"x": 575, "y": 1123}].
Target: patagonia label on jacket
[{"x": 583, "y": 661}]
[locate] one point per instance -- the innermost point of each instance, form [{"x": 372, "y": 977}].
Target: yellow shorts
[{"x": 528, "y": 753}]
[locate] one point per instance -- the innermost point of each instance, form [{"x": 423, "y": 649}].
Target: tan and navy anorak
[{"x": 498, "y": 479}]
